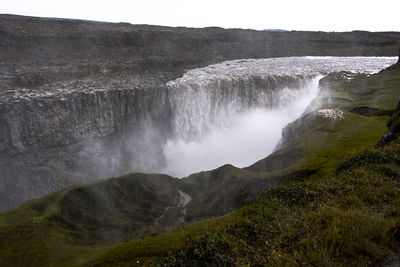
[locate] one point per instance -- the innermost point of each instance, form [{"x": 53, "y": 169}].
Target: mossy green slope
[
  {"x": 349, "y": 218},
  {"x": 222, "y": 190},
  {"x": 75, "y": 225},
  {"x": 69, "y": 222}
]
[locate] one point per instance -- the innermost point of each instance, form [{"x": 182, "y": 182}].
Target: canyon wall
[{"x": 82, "y": 100}]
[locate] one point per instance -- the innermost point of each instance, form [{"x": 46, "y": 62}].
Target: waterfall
[
  {"x": 202, "y": 102},
  {"x": 237, "y": 121},
  {"x": 233, "y": 112}
]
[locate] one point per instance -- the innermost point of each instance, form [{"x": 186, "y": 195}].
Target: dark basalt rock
[
  {"x": 365, "y": 111},
  {"x": 393, "y": 129}
]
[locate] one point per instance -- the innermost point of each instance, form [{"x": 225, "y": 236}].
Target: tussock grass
[{"x": 348, "y": 218}]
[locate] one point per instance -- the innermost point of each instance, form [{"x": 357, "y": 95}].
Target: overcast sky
[{"x": 333, "y": 15}]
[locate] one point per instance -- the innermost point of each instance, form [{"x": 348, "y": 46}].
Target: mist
[{"x": 240, "y": 139}]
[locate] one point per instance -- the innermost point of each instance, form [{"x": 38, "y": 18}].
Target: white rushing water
[
  {"x": 234, "y": 112},
  {"x": 183, "y": 202}
]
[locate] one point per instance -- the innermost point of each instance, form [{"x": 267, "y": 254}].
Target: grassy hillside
[
  {"x": 349, "y": 218},
  {"x": 66, "y": 223},
  {"x": 336, "y": 203}
]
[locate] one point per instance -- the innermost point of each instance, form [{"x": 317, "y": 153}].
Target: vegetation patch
[{"x": 343, "y": 219}]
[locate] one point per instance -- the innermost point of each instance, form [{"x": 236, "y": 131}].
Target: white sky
[{"x": 333, "y": 15}]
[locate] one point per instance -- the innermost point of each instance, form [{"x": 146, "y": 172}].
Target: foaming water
[
  {"x": 233, "y": 112},
  {"x": 240, "y": 138}
]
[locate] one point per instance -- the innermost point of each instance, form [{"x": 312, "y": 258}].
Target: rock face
[
  {"x": 76, "y": 97},
  {"x": 42, "y": 119},
  {"x": 393, "y": 129},
  {"x": 70, "y": 137}
]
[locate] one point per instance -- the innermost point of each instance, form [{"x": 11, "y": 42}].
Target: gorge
[
  {"x": 85, "y": 100},
  {"x": 119, "y": 143},
  {"x": 72, "y": 132}
]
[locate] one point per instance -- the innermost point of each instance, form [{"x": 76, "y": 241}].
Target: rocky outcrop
[{"x": 393, "y": 129}]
